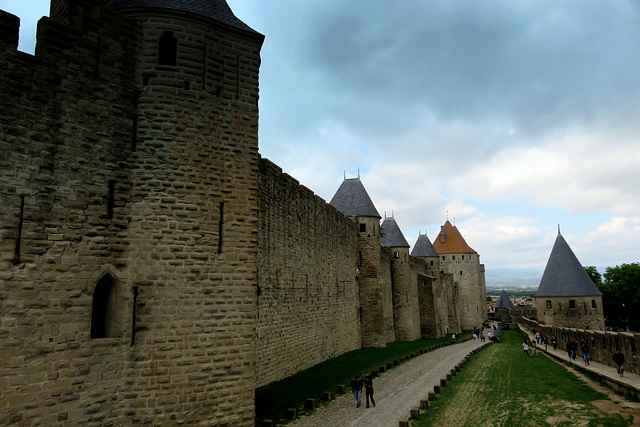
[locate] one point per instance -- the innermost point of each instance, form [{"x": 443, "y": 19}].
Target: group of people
[
  {"x": 526, "y": 344},
  {"x": 356, "y": 387},
  {"x": 572, "y": 347},
  {"x": 491, "y": 336}
]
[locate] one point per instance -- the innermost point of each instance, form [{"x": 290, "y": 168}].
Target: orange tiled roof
[{"x": 453, "y": 241}]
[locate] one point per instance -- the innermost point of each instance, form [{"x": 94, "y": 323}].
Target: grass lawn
[
  {"x": 274, "y": 399},
  {"x": 498, "y": 387}
]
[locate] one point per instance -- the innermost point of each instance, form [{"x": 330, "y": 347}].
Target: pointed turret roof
[
  {"x": 352, "y": 199},
  {"x": 564, "y": 275},
  {"x": 423, "y": 247},
  {"x": 218, "y": 10},
  {"x": 504, "y": 301},
  {"x": 391, "y": 235},
  {"x": 450, "y": 241}
]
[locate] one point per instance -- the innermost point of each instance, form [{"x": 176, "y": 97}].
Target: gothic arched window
[{"x": 104, "y": 307}]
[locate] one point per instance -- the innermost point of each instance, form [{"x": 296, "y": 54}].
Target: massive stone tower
[
  {"x": 457, "y": 258},
  {"x": 128, "y": 214},
  {"x": 567, "y": 296},
  {"x": 437, "y": 293},
  {"x": 354, "y": 202},
  {"x": 404, "y": 290}
]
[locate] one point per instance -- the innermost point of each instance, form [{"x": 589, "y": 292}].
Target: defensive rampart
[
  {"x": 602, "y": 343},
  {"x": 307, "y": 289}
]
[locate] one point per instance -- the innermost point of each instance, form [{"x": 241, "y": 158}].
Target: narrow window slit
[
  {"x": 204, "y": 67},
  {"x": 111, "y": 198},
  {"x": 16, "y": 259},
  {"x": 221, "y": 228},
  {"x": 237, "y": 77},
  {"x": 133, "y": 316},
  {"x": 134, "y": 126},
  {"x": 96, "y": 69}
]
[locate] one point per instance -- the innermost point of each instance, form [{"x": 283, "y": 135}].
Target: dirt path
[
  {"x": 396, "y": 392},
  {"x": 617, "y": 404}
]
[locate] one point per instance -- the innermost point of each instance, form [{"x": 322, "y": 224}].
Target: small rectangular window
[
  {"x": 548, "y": 303},
  {"x": 572, "y": 303},
  {"x": 363, "y": 228},
  {"x": 593, "y": 303}
]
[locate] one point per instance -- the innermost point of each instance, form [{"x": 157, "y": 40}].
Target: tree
[
  {"x": 621, "y": 296},
  {"x": 593, "y": 273}
]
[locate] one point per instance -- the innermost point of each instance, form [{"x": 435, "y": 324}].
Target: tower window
[
  {"x": 548, "y": 303},
  {"x": 363, "y": 228},
  {"x": 572, "y": 303},
  {"x": 103, "y": 316},
  {"x": 396, "y": 255},
  {"x": 593, "y": 303},
  {"x": 167, "y": 49}
]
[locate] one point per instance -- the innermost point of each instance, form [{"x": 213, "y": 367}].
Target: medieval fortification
[{"x": 154, "y": 269}]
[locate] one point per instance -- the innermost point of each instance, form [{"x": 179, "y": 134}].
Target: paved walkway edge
[{"x": 424, "y": 403}]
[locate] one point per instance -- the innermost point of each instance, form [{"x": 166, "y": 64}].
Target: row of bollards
[
  {"x": 310, "y": 404},
  {"x": 431, "y": 396}
]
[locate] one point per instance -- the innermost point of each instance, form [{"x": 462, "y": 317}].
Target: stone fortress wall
[
  {"x": 128, "y": 212},
  {"x": 308, "y": 298},
  {"x": 153, "y": 269}
]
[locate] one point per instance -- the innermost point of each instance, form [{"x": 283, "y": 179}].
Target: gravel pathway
[{"x": 396, "y": 392}]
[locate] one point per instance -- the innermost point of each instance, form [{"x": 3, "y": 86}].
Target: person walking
[
  {"x": 554, "y": 341},
  {"x": 618, "y": 359},
  {"x": 533, "y": 348},
  {"x": 525, "y": 349},
  {"x": 356, "y": 387},
  {"x": 574, "y": 349},
  {"x": 368, "y": 390},
  {"x": 586, "y": 355}
]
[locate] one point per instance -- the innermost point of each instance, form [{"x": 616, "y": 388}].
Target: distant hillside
[{"x": 512, "y": 278}]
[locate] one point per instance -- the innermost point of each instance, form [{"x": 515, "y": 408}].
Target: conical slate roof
[
  {"x": 423, "y": 247},
  {"x": 564, "y": 276},
  {"x": 352, "y": 199},
  {"x": 217, "y": 10},
  {"x": 450, "y": 241},
  {"x": 391, "y": 235},
  {"x": 504, "y": 301}
]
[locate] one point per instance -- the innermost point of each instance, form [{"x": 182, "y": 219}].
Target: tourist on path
[
  {"x": 356, "y": 387},
  {"x": 618, "y": 359},
  {"x": 554, "y": 341},
  {"x": 574, "y": 349},
  {"x": 368, "y": 389},
  {"x": 525, "y": 349},
  {"x": 584, "y": 348},
  {"x": 533, "y": 348}
]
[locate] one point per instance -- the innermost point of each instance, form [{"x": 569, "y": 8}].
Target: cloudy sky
[{"x": 511, "y": 117}]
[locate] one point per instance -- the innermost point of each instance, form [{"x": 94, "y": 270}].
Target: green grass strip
[
  {"x": 500, "y": 387},
  {"x": 272, "y": 400}
]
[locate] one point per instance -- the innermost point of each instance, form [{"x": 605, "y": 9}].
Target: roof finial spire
[
  {"x": 358, "y": 173},
  {"x": 558, "y": 228},
  {"x": 454, "y": 221},
  {"x": 345, "y": 174},
  {"x": 447, "y": 215}
]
